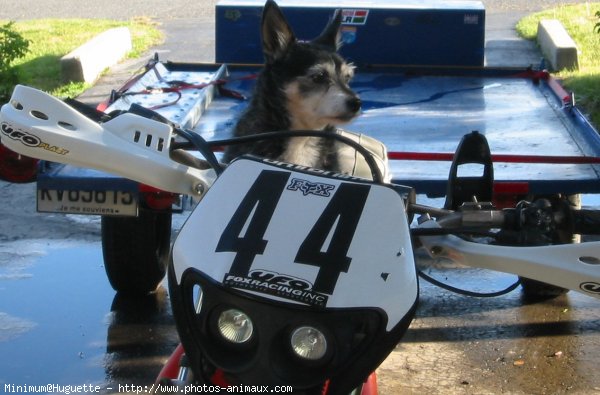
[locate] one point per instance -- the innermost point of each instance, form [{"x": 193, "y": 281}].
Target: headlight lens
[
  {"x": 235, "y": 326},
  {"x": 309, "y": 343}
]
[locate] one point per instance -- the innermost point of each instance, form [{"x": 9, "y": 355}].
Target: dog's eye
[{"x": 320, "y": 77}]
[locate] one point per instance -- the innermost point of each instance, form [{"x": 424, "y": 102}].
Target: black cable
[
  {"x": 87, "y": 110},
  {"x": 415, "y": 232},
  {"x": 418, "y": 232},
  {"x": 196, "y": 141},
  {"x": 466, "y": 292},
  {"x": 202, "y": 146},
  {"x": 375, "y": 171}
]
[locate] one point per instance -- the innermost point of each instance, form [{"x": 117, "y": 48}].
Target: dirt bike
[{"x": 290, "y": 278}]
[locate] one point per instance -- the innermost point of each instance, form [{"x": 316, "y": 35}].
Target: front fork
[{"x": 176, "y": 373}]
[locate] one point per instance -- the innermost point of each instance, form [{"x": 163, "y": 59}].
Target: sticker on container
[
  {"x": 233, "y": 15},
  {"x": 354, "y": 17},
  {"x": 471, "y": 19},
  {"x": 348, "y": 34}
]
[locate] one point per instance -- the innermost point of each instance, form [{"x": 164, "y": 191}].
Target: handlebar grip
[{"x": 586, "y": 221}]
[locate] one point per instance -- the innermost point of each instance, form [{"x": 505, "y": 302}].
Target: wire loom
[{"x": 176, "y": 87}]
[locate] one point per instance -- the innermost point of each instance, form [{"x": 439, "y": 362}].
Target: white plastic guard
[
  {"x": 286, "y": 210},
  {"x": 572, "y": 266},
  {"x": 41, "y": 126}
]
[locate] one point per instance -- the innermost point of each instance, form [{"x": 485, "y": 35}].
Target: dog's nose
[{"x": 354, "y": 104}]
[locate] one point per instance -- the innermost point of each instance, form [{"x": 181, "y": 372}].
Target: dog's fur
[{"x": 303, "y": 86}]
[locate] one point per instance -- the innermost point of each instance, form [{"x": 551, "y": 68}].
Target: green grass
[
  {"x": 579, "y": 20},
  {"x": 50, "y": 39}
]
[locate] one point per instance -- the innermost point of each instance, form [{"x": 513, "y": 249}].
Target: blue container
[{"x": 383, "y": 32}]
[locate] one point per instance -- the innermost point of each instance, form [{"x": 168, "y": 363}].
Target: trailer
[{"x": 420, "y": 108}]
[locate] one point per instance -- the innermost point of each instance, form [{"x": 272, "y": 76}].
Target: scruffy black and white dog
[{"x": 303, "y": 86}]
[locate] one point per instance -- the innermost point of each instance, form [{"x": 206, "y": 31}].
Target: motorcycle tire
[
  {"x": 136, "y": 250},
  {"x": 533, "y": 289},
  {"x": 537, "y": 290}
]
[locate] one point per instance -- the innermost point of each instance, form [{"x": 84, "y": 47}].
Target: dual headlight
[
  {"x": 235, "y": 326},
  {"x": 306, "y": 342}
]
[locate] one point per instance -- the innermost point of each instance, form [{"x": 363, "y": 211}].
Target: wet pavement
[
  {"x": 463, "y": 345},
  {"x": 61, "y": 323}
]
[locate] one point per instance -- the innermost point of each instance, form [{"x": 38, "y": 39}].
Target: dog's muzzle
[{"x": 353, "y": 104}]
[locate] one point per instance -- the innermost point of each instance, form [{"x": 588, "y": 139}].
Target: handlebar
[
  {"x": 539, "y": 217},
  {"x": 530, "y": 241}
]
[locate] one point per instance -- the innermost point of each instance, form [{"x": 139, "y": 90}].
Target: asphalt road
[
  {"x": 61, "y": 323},
  {"x": 182, "y": 9}
]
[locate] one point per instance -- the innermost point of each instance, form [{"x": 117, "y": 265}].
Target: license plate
[{"x": 121, "y": 203}]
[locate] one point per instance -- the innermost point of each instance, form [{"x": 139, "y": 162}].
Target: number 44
[{"x": 326, "y": 245}]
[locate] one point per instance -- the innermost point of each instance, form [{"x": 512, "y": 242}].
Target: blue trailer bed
[
  {"x": 520, "y": 112},
  {"x": 420, "y": 97}
]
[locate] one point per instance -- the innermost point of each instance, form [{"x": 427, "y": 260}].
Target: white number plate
[
  {"x": 120, "y": 203},
  {"x": 327, "y": 242}
]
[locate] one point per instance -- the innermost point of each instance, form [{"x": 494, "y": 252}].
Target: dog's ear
[
  {"x": 331, "y": 37},
  {"x": 277, "y": 35}
]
